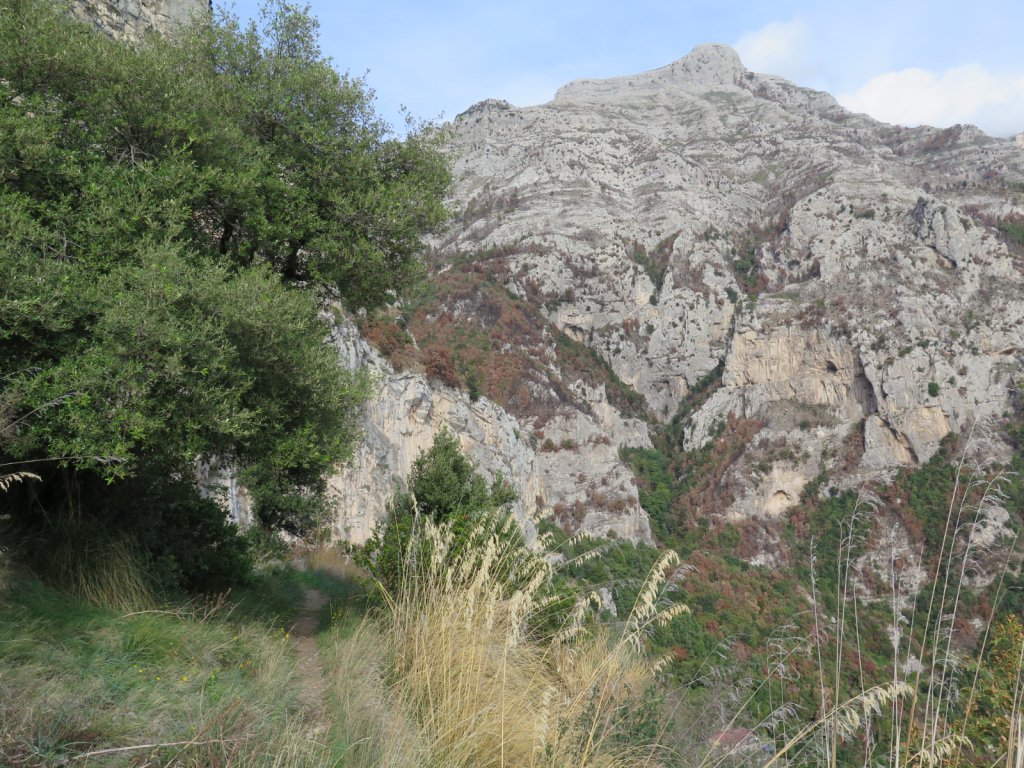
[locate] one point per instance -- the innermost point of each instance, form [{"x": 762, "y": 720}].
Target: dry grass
[
  {"x": 108, "y": 575},
  {"x": 451, "y": 673},
  {"x": 334, "y": 562},
  {"x": 476, "y": 686},
  {"x": 922, "y": 715},
  {"x": 370, "y": 731},
  {"x": 919, "y": 718},
  {"x": 456, "y": 670},
  {"x": 6, "y": 481}
]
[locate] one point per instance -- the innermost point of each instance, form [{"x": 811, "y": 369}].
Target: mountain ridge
[{"x": 700, "y": 217}]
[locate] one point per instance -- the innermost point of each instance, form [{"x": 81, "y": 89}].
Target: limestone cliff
[
  {"x": 849, "y": 279},
  {"x": 410, "y": 410},
  {"x": 132, "y": 18}
]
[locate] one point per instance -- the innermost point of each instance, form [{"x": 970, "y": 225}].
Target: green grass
[
  {"x": 275, "y": 595},
  {"x": 77, "y": 678},
  {"x": 272, "y": 599},
  {"x": 1013, "y": 230},
  {"x": 214, "y": 681}
]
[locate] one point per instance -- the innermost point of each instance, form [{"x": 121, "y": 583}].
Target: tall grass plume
[{"x": 485, "y": 683}]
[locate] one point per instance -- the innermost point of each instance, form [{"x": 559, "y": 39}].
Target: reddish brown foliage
[
  {"x": 711, "y": 493},
  {"x": 471, "y": 327},
  {"x": 438, "y": 365}
]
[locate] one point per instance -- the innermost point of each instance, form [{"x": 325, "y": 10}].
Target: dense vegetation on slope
[
  {"x": 173, "y": 216},
  {"x": 827, "y": 623},
  {"x": 459, "y": 663}
]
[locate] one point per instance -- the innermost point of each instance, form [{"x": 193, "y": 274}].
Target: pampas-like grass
[
  {"x": 6, "y": 481},
  {"x": 480, "y": 688},
  {"x": 1015, "y": 743},
  {"x": 845, "y": 720},
  {"x": 923, "y": 729},
  {"x": 917, "y": 711},
  {"x": 647, "y": 611}
]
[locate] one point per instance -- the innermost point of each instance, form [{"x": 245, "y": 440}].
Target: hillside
[
  {"x": 765, "y": 352},
  {"x": 725, "y": 246}
]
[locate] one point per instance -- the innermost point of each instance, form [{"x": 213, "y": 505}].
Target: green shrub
[
  {"x": 445, "y": 487},
  {"x": 1013, "y": 231}
]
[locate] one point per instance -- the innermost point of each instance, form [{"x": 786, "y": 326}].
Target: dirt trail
[{"x": 310, "y": 668}]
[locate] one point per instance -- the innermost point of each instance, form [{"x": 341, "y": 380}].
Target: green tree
[
  {"x": 445, "y": 486},
  {"x": 175, "y": 215}
]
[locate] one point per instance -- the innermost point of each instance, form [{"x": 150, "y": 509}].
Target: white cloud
[
  {"x": 780, "y": 48},
  {"x": 965, "y": 94}
]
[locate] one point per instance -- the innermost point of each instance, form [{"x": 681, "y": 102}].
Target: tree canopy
[{"x": 175, "y": 216}]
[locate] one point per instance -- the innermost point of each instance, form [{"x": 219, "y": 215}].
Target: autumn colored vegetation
[{"x": 470, "y": 332}]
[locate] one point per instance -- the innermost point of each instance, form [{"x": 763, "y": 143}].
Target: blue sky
[{"x": 911, "y": 62}]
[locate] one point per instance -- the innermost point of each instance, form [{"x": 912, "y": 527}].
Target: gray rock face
[
  {"x": 844, "y": 276},
  {"x": 402, "y": 421},
  {"x": 132, "y": 18},
  {"x": 845, "y": 273}
]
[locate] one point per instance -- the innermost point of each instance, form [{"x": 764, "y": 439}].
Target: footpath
[{"x": 310, "y": 666}]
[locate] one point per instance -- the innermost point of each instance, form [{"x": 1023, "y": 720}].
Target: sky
[{"x": 902, "y": 61}]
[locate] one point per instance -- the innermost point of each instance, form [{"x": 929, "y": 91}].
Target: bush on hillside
[{"x": 444, "y": 487}]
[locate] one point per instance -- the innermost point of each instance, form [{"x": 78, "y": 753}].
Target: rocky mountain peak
[
  {"x": 709, "y": 65},
  {"x": 717, "y": 256},
  {"x": 705, "y": 68},
  {"x": 499, "y": 105}
]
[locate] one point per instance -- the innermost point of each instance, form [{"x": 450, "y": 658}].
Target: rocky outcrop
[
  {"x": 133, "y": 18},
  {"x": 706, "y": 68},
  {"x": 576, "y": 467},
  {"x": 844, "y": 273}
]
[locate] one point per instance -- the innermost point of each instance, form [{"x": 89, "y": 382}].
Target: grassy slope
[
  {"x": 218, "y": 684},
  {"x": 442, "y": 675},
  {"x": 215, "y": 681}
]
